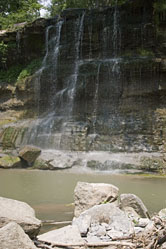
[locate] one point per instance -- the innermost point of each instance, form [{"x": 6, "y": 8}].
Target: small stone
[
  {"x": 114, "y": 234},
  {"x": 83, "y": 224},
  {"x": 162, "y": 214},
  {"x": 143, "y": 222},
  {"x": 138, "y": 230}
]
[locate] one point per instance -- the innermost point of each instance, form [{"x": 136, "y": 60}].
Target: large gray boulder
[
  {"x": 69, "y": 234},
  {"x": 29, "y": 153},
  {"x": 21, "y": 213},
  {"x": 104, "y": 221},
  {"x": 86, "y": 195},
  {"x": 131, "y": 200},
  {"x": 54, "y": 160},
  {"x": 12, "y": 236}
]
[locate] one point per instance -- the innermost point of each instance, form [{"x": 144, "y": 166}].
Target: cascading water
[
  {"x": 78, "y": 49},
  {"x": 48, "y": 130},
  {"x": 40, "y": 132},
  {"x": 86, "y": 86}
]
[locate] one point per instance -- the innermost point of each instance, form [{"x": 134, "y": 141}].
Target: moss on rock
[
  {"x": 11, "y": 136},
  {"x": 10, "y": 162}
]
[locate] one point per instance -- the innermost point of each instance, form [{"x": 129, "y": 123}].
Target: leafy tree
[
  {"x": 18, "y": 11},
  {"x": 160, "y": 5},
  {"x": 59, "y": 5}
]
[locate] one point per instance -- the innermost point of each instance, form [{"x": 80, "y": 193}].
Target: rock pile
[{"x": 103, "y": 219}]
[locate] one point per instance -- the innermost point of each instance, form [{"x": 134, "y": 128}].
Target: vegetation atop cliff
[
  {"x": 18, "y": 11},
  {"x": 21, "y": 11}
]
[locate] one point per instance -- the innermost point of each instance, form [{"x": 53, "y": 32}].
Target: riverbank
[
  {"x": 51, "y": 192},
  {"x": 103, "y": 217}
]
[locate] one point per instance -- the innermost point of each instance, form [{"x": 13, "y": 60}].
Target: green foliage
[
  {"x": 58, "y": 5},
  {"x": 18, "y": 72},
  {"x": 144, "y": 52},
  {"x": 10, "y": 76},
  {"x": 18, "y": 11},
  {"x": 30, "y": 69},
  {"x": 159, "y": 5}
]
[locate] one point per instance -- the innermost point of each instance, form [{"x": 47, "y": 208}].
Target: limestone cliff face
[{"x": 102, "y": 83}]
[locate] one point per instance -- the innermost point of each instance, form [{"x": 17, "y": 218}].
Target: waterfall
[
  {"x": 96, "y": 98},
  {"x": 40, "y": 71},
  {"x": 90, "y": 40},
  {"x": 116, "y": 38},
  {"x": 78, "y": 49},
  {"x": 18, "y": 39},
  {"x": 92, "y": 86},
  {"x": 40, "y": 133}
]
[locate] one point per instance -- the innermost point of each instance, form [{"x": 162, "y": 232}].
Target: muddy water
[{"x": 50, "y": 193}]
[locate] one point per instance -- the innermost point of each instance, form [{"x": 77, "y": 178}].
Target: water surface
[{"x": 50, "y": 193}]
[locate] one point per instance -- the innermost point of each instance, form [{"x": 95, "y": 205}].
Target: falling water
[
  {"x": 116, "y": 38},
  {"x": 55, "y": 62},
  {"x": 41, "y": 133},
  {"x": 18, "y": 39},
  {"x": 90, "y": 40},
  {"x": 38, "y": 74},
  {"x": 60, "y": 118},
  {"x": 78, "y": 49},
  {"x": 96, "y": 98}
]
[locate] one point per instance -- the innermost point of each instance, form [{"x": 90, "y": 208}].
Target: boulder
[
  {"x": 29, "y": 153},
  {"x": 55, "y": 160},
  {"x": 8, "y": 162},
  {"x": 131, "y": 200},
  {"x": 12, "y": 236},
  {"x": 86, "y": 195},
  {"x": 21, "y": 213},
  {"x": 69, "y": 234},
  {"x": 105, "y": 221},
  {"x": 110, "y": 165}
]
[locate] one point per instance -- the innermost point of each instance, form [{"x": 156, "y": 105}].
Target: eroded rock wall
[{"x": 103, "y": 80}]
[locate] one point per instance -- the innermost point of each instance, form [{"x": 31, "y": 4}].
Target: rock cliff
[{"x": 101, "y": 83}]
